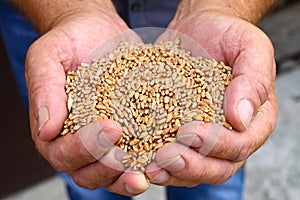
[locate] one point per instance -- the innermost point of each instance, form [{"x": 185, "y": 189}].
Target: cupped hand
[
  {"x": 62, "y": 49},
  {"x": 210, "y": 153}
]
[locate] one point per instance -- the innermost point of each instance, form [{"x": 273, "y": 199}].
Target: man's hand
[
  {"x": 250, "y": 102},
  {"x": 67, "y": 41}
]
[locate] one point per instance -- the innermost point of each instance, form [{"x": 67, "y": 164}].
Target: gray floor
[{"x": 273, "y": 172}]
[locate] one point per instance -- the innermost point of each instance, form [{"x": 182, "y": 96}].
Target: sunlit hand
[
  {"x": 62, "y": 49},
  {"x": 209, "y": 153}
]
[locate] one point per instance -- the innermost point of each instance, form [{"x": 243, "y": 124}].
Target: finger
[
  {"x": 196, "y": 169},
  {"x": 86, "y": 146},
  {"x": 252, "y": 57},
  {"x": 102, "y": 173},
  {"x": 214, "y": 140},
  {"x": 130, "y": 183},
  {"x": 156, "y": 174}
]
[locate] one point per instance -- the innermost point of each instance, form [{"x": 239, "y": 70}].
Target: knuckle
[
  {"x": 252, "y": 144},
  {"x": 263, "y": 87},
  {"x": 201, "y": 177},
  {"x": 220, "y": 179},
  {"x": 58, "y": 160},
  {"x": 243, "y": 154},
  {"x": 245, "y": 149},
  {"x": 82, "y": 182},
  {"x": 210, "y": 177},
  {"x": 58, "y": 164}
]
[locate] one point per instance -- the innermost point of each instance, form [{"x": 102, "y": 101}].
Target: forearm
[
  {"x": 250, "y": 10},
  {"x": 44, "y": 14}
]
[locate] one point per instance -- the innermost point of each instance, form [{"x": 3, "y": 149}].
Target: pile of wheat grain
[{"x": 151, "y": 90}]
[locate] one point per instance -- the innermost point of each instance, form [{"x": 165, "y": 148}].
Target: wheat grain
[{"x": 151, "y": 90}]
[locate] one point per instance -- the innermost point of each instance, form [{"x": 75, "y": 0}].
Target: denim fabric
[
  {"x": 77, "y": 193},
  {"x": 230, "y": 190},
  {"x": 147, "y": 13},
  {"x": 18, "y": 34}
]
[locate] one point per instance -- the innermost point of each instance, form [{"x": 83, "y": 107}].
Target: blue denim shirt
[{"x": 145, "y": 13}]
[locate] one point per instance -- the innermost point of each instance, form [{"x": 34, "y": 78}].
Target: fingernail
[
  {"x": 162, "y": 177},
  {"x": 113, "y": 159},
  {"x": 190, "y": 140},
  {"x": 131, "y": 190},
  {"x": 89, "y": 136},
  {"x": 107, "y": 138},
  {"x": 245, "y": 111},
  {"x": 120, "y": 154},
  {"x": 118, "y": 126},
  {"x": 173, "y": 164},
  {"x": 156, "y": 174},
  {"x": 43, "y": 117},
  {"x": 140, "y": 182}
]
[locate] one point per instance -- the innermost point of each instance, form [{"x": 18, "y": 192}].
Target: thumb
[
  {"x": 247, "y": 92},
  {"x": 251, "y": 54},
  {"x": 45, "y": 78}
]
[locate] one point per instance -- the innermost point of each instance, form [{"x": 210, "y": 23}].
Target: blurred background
[{"x": 272, "y": 173}]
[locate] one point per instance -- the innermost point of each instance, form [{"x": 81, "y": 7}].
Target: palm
[
  {"x": 70, "y": 44},
  {"x": 238, "y": 44},
  {"x": 62, "y": 49},
  {"x": 250, "y": 53}
]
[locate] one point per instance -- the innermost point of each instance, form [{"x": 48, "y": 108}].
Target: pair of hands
[{"x": 225, "y": 37}]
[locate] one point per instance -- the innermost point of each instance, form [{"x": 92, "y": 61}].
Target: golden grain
[{"x": 151, "y": 90}]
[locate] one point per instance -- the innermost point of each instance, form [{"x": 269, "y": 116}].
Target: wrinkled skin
[
  {"x": 246, "y": 48},
  {"x": 226, "y": 38},
  {"x": 62, "y": 49}
]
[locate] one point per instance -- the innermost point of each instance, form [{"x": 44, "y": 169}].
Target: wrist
[
  {"x": 251, "y": 11},
  {"x": 45, "y": 15}
]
